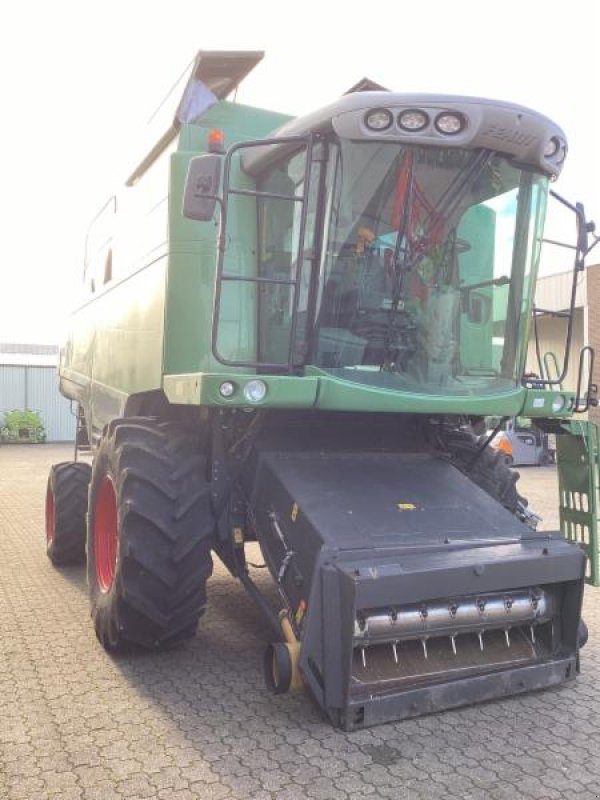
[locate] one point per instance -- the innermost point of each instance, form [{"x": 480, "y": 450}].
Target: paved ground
[{"x": 197, "y": 723}]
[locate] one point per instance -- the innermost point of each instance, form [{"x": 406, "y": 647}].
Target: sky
[{"x": 79, "y": 80}]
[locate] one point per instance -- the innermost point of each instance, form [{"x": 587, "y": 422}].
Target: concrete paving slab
[{"x": 197, "y": 722}]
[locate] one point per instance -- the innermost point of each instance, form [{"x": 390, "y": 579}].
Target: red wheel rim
[
  {"x": 105, "y": 534},
  {"x": 49, "y": 516}
]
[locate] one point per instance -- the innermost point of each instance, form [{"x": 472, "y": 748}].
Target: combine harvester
[{"x": 291, "y": 331}]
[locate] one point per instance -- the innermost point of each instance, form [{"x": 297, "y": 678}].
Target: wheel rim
[
  {"x": 49, "y": 516},
  {"x": 105, "y": 534}
]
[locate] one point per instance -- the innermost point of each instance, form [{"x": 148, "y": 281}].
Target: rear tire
[
  {"x": 150, "y": 530},
  {"x": 66, "y": 508}
]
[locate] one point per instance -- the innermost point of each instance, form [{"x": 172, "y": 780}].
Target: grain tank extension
[{"x": 290, "y": 333}]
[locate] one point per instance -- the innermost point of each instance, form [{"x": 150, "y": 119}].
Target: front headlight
[
  {"x": 413, "y": 120},
  {"x": 379, "y": 119},
  {"x": 552, "y": 147},
  {"x": 255, "y": 391},
  {"x": 449, "y": 123},
  {"x": 226, "y": 389}
]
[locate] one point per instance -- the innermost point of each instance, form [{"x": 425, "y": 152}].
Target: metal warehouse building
[{"x": 28, "y": 381}]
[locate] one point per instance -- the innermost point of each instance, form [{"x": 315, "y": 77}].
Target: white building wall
[
  {"x": 552, "y": 332},
  {"x": 553, "y": 292}
]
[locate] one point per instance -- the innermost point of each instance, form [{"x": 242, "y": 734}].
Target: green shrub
[{"x": 23, "y": 425}]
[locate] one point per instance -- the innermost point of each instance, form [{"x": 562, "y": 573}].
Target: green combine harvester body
[
  {"x": 154, "y": 332},
  {"x": 290, "y": 332}
]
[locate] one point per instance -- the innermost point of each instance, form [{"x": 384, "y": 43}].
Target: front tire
[
  {"x": 66, "y": 507},
  {"x": 488, "y": 468},
  {"x": 150, "y": 530}
]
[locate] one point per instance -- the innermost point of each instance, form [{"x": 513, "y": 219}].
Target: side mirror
[{"x": 201, "y": 187}]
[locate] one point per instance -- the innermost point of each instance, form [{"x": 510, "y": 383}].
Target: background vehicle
[
  {"x": 524, "y": 445},
  {"x": 290, "y": 327}
]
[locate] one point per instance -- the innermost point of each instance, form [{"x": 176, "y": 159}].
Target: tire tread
[
  {"x": 69, "y": 481},
  {"x": 166, "y": 531}
]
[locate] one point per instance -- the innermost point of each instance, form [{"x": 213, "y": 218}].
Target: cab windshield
[{"x": 426, "y": 270}]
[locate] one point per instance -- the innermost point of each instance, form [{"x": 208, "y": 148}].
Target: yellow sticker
[
  {"x": 406, "y": 506},
  {"x": 238, "y": 536},
  {"x": 295, "y": 511}
]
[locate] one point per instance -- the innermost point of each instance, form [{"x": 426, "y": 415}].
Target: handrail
[
  {"x": 591, "y": 389},
  {"x": 550, "y": 359},
  {"x": 302, "y": 141},
  {"x": 112, "y": 199},
  {"x": 578, "y": 266}
]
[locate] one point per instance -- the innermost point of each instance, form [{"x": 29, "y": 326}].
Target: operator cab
[
  {"x": 397, "y": 241},
  {"x": 423, "y": 276}
]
